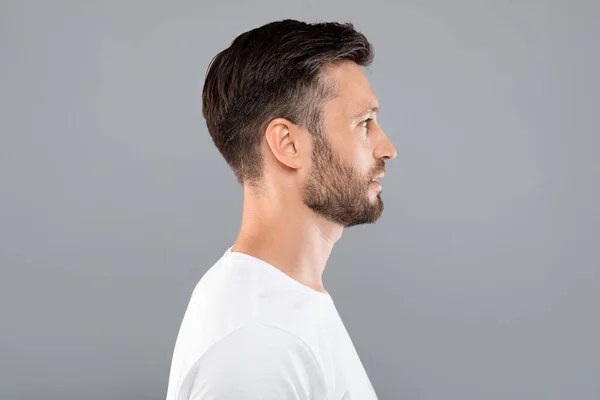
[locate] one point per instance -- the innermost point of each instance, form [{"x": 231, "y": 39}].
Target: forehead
[{"x": 353, "y": 90}]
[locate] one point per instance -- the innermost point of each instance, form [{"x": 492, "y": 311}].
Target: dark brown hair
[{"x": 273, "y": 71}]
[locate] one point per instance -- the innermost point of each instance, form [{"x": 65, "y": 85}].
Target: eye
[{"x": 365, "y": 123}]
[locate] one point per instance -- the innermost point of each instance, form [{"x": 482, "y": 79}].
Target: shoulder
[{"x": 258, "y": 361}]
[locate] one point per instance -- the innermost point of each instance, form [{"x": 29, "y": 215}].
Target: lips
[
  {"x": 375, "y": 185},
  {"x": 377, "y": 178}
]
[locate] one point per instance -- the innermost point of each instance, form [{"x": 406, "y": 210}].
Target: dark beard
[{"x": 337, "y": 191}]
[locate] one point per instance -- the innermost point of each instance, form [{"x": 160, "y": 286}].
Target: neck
[{"x": 280, "y": 230}]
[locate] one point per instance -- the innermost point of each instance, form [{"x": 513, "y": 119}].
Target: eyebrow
[{"x": 367, "y": 110}]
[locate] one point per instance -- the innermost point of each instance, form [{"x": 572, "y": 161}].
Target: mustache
[{"x": 379, "y": 168}]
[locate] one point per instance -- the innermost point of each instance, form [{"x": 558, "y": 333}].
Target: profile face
[{"x": 349, "y": 154}]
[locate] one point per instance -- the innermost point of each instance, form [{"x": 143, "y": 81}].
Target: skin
[{"x": 313, "y": 189}]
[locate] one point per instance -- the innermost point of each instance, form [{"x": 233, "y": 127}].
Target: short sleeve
[{"x": 259, "y": 362}]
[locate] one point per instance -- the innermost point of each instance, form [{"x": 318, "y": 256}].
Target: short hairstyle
[{"x": 273, "y": 71}]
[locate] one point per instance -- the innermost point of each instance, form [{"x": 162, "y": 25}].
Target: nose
[{"x": 385, "y": 149}]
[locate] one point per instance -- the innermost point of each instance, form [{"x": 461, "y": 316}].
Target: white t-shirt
[{"x": 252, "y": 332}]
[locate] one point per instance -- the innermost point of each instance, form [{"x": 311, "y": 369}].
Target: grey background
[{"x": 479, "y": 282}]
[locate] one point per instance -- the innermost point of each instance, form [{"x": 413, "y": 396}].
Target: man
[{"x": 292, "y": 112}]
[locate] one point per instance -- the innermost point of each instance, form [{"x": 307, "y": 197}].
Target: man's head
[{"x": 288, "y": 101}]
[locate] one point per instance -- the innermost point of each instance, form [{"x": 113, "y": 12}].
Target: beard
[{"x": 337, "y": 191}]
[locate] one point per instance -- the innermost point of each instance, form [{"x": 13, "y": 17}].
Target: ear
[{"x": 283, "y": 138}]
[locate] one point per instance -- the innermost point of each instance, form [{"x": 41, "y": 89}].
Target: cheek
[
  {"x": 354, "y": 152},
  {"x": 353, "y": 149},
  {"x": 363, "y": 160}
]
